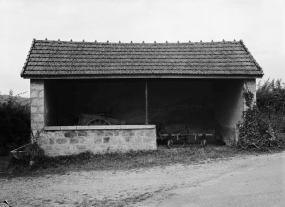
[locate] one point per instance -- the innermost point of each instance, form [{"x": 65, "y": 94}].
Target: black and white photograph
[{"x": 142, "y": 103}]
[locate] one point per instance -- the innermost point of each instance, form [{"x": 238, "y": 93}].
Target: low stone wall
[{"x": 73, "y": 140}]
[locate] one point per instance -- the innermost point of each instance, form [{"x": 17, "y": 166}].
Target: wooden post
[{"x": 146, "y": 103}]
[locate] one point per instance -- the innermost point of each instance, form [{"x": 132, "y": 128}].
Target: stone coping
[{"x": 59, "y": 128}]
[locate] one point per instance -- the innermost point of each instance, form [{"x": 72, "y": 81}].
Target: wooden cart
[{"x": 95, "y": 119}]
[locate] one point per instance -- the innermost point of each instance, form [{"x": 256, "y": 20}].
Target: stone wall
[
  {"x": 76, "y": 139},
  {"x": 37, "y": 104}
]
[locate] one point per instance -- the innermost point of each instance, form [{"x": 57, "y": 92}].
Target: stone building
[{"x": 138, "y": 86}]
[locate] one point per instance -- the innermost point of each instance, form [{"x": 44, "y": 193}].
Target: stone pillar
[{"x": 37, "y": 104}]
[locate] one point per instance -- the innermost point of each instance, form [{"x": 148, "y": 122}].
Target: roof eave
[{"x": 143, "y": 76}]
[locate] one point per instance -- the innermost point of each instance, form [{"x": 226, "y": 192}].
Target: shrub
[
  {"x": 262, "y": 125},
  {"x": 14, "y": 123},
  {"x": 271, "y": 103}
]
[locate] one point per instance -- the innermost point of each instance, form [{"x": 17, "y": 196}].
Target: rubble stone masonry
[{"x": 75, "y": 140}]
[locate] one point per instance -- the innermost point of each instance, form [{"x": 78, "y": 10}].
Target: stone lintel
[
  {"x": 65, "y": 128},
  {"x": 68, "y": 128},
  {"x": 52, "y": 128}
]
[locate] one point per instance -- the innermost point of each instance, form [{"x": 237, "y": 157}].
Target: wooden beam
[{"x": 146, "y": 102}]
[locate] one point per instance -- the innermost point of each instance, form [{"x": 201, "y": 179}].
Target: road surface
[
  {"x": 259, "y": 184},
  {"x": 245, "y": 180}
]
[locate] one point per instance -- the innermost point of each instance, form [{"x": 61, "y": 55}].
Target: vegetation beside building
[{"x": 264, "y": 122}]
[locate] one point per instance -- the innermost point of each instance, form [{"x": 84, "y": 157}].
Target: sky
[{"x": 259, "y": 23}]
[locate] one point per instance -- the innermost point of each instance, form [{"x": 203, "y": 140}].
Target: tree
[{"x": 14, "y": 123}]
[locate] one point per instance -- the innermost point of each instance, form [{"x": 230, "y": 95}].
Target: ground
[{"x": 179, "y": 185}]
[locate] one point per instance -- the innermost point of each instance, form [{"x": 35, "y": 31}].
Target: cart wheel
[
  {"x": 98, "y": 121},
  {"x": 169, "y": 144}
]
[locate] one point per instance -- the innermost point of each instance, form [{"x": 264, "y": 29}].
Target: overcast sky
[{"x": 259, "y": 23}]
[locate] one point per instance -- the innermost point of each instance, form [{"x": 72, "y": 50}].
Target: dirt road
[
  {"x": 261, "y": 184},
  {"x": 172, "y": 185}
]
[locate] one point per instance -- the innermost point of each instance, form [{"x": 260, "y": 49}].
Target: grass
[{"x": 115, "y": 161}]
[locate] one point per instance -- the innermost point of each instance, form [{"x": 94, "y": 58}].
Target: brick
[
  {"x": 106, "y": 139},
  {"x": 121, "y": 140},
  {"x": 61, "y": 141},
  {"x": 82, "y": 133},
  {"x": 37, "y": 125},
  {"x": 69, "y": 152},
  {"x": 116, "y": 132},
  {"x": 73, "y": 141},
  {"x": 128, "y": 139},
  {"x": 41, "y": 94},
  {"x": 51, "y": 140},
  {"x": 91, "y": 134},
  {"x": 149, "y": 139},
  {"x": 108, "y": 133},
  {"x": 127, "y": 133},
  {"x": 37, "y": 102},
  {"x": 34, "y": 109},
  {"x": 34, "y": 94},
  {"x": 113, "y": 140},
  {"x": 58, "y": 134},
  {"x": 47, "y": 148},
  {"x": 99, "y": 132},
  {"x": 70, "y": 134},
  {"x": 41, "y": 109},
  {"x": 150, "y": 146},
  {"x": 37, "y": 84},
  {"x": 37, "y": 118},
  {"x": 139, "y": 146},
  {"x": 138, "y": 139},
  {"x": 100, "y": 148},
  {"x": 97, "y": 140},
  {"x": 81, "y": 140},
  {"x": 140, "y": 133},
  {"x": 64, "y": 147},
  {"x": 150, "y": 133},
  {"x": 81, "y": 147}
]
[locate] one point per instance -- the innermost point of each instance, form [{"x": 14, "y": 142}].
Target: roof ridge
[
  {"x": 250, "y": 55},
  {"x": 152, "y": 43},
  {"x": 28, "y": 56}
]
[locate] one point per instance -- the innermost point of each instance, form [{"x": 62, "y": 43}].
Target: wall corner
[{"x": 37, "y": 105}]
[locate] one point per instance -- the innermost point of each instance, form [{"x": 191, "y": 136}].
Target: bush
[
  {"x": 15, "y": 123},
  {"x": 271, "y": 103},
  {"x": 263, "y": 124}
]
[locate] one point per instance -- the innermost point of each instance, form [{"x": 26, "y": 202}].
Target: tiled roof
[{"x": 61, "y": 58}]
